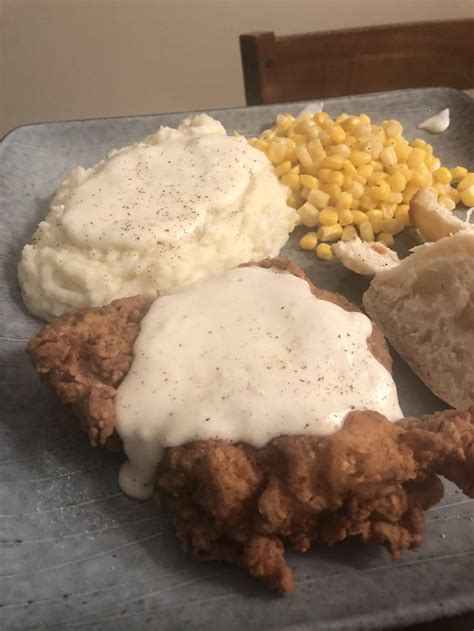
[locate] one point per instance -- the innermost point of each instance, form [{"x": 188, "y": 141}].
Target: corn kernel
[
  {"x": 336, "y": 177},
  {"x": 323, "y": 251},
  {"x": 304, "y": 123},
  {"x": 350, "y": 141},
  {"x": 419, "y": 143},
  {"x": 320, "y": 117},
  {"x": 283, "y": 168},
  {"x": 294, "y": 200},
  {"x": 395, "y": 198},
  {"x": 339, "y": 150},
  {"x": 356, "y": 190},
  {"x": 419, "y": 180},
  {"x": 323, "y": 175},
  {"x": 342, "y": 117},
  {"x": 375, "y": 216},
  {"x": 309, "y": 241},
  {"x": 330, "y": 233},
  {"x": 454, "y": 195},
  {"x": 309, "y": 181},
  {"x": 337, "y": 134},
  {"x": 436, "y": 165},
  {"x": 367, "y": 202},
  {"x": 262, "y": 145},
  {"x": 386, "y": 238},
  {"x": 467, "y": 196},
  {"x": 361, "y": 180},
  {"x": 366, "y": 170},
  {"x": 318, "y": 198},
  {"x": 344, "y": 200},
  {"x": 349, "y": 169},
  {"x": 416, "y": 157},
  {"x": 394, "y": 226},
  {"x": 403, "y": 169},
  {"x": 355, "y": 204},
  {"x": 430, "y": 161},
  {"x": 316, "y": 150},
  {"x": 397, "y": 182},
  {"x": 380, "y": 191},
  {"x": 457, "y": 173},
  {"x": 292, "y": 180},
  {"x": 334, "y": 190},
  {"x": 441, "y": 189},
  {"x": 304, "y": 192},
  {"x": 312, "y": 170},
  {"x": 347, "y": 183},
  {"x": 276, "y": 152},
  {"x": 358, "y": 158},
  {"x": 303, "y": 155},
  {"x": 402, "y": 213},
  {"x": 358, "y": 217},
  {"x": 268, "y": 135},
  {"x": 402, "y": 150},
  {"x": 373, "y": 147},
  {"x": 468, "y": 180},
  {"x": 328, "y": 217},
  {"x": 443, "y": 175},
  {"x": 333, "y": 162},
  {"x": 349, "y": 233},
  {"x": 309, "y": 215},
  {"x": 388, "y": 209},
  {"x": 378, "y": 166},
  {"x": 327, "y": 124},
  {"x": 365, "y": 231},
  {"x": 376, "y": 177},
  {"x": 388, "y": 157},
  {"x": 409, "y": 192},
  {"x": 299, "y": 139},
  {"x": 345, "y": 217},
  {"x": 284, "y": 121},
  {"x": 325, "y": 138},
  {"x": 447, "y": 202},
  {"x": 393, "y": 128}
]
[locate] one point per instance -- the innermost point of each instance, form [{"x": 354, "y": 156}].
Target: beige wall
[{"x": 63, "y": 59}]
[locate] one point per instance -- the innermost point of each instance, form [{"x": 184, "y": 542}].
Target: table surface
[{"x": 76, "y": 553}]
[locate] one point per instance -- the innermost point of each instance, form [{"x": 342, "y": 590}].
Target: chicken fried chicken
[
  {"x": 241, "y": 504},
  {"x": 372, "y": 478}
]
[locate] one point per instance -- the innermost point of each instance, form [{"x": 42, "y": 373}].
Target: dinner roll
[{"x": 425, "y": 307}]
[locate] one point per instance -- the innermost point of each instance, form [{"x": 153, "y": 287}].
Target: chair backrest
[{"x": 357, "y": 61}]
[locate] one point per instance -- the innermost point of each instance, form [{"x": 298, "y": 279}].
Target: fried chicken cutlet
[{"x": 240, "y": 503}]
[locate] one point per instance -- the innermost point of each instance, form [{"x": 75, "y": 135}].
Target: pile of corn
[{"x": 348, "y": 177}]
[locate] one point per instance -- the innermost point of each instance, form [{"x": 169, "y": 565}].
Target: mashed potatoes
[{"x": 175, "y": 207}]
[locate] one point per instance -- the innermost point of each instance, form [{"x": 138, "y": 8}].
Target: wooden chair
[{"x": 357, "y": 61}]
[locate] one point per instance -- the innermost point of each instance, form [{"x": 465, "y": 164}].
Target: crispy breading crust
[
  {"x": 84, "y": 355},
  {"x": 236, "y": 503},
  {"x": 372, "y": 478}
]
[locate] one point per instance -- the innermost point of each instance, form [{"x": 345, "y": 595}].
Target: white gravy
[
  {"x": 247, "y": 355},
  {"x": 149, "y": 194},
  {"x": 436, "y": 124}
]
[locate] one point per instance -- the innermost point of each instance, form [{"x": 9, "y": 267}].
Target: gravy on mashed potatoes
[{"x": 179, "y": 205}]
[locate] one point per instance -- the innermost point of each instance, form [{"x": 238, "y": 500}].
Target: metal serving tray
[{"x": 76, "y": 553}]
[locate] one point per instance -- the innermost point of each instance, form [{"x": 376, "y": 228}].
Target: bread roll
[
  {"x": 425, "y": 307},
  {"x": 365, "y": 258},
  {"x": 432, "y": 220}
]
